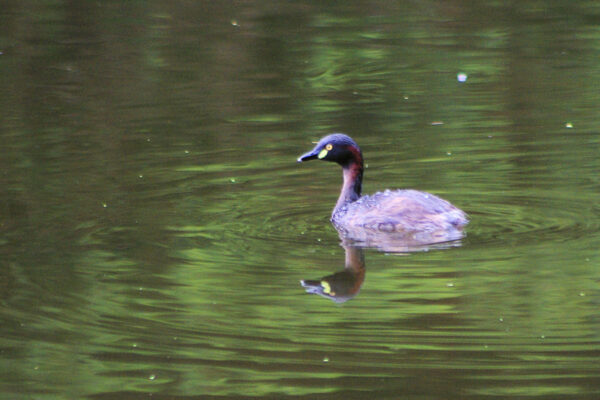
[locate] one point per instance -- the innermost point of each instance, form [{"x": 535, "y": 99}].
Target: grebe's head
[{"x": 336, "y": 147}]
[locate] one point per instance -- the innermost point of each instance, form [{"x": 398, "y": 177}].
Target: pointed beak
[
  {"x": 311, "y": 155},
  {"x": 314, "y": 287},
  {"x": 311, "y": 286}
]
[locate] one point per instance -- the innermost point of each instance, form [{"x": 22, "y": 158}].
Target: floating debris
[
  {"x": 234, "y": 23},
  {"x": 325, "y": 359},
  {"x": 461, "y": 77},
  {"x": 434, "y": 123},
  {"x": 568, "y": 125}
]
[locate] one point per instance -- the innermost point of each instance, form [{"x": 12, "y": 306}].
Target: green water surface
[{"x": 155, "y": 226}]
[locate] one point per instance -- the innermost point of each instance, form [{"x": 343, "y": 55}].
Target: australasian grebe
[{"x": 398, "y": 211}]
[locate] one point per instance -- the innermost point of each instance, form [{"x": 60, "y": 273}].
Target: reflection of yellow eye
[{"x": 328, "y": 147}]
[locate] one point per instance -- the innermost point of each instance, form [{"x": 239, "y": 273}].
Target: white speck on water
[
  {"x": 501, "y": 319},
  {"x": 187, "y": 152},
  {"x": 134, "y": 345},
  {"x": 140, "y": 176},
  {"x": 232, "y": 180},
  {"x": 234, "y": 23},
  {"x": 543, "y": 337},
  {"x": 449, "y": 153},
  {"x": 405, "y": 97},
  {"x": 325, "y": 359},
  {"x": 450, "y": 284},
  {"x": 568, "y": 125},
  {"x": 436, "y": 123},
  {"x": 104, "y": 205},
  {"x": 461, "y": 77},
  {"x": 152, "y": 377},
  {"x": 581, "y": 294}
]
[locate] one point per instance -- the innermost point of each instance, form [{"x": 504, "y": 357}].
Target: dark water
[{"x": 154, "y": 225}]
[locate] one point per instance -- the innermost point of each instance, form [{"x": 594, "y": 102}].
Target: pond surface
[{"x": 155, "y": 226}]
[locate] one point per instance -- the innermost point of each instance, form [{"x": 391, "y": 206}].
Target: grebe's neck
[{"x": 351, "y": 188}]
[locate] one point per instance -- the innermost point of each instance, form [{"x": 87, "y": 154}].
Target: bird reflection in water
[{"x": 345, "y": 284}]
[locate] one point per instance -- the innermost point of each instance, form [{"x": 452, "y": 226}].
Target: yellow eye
[{"x": 328, "y": 147}]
